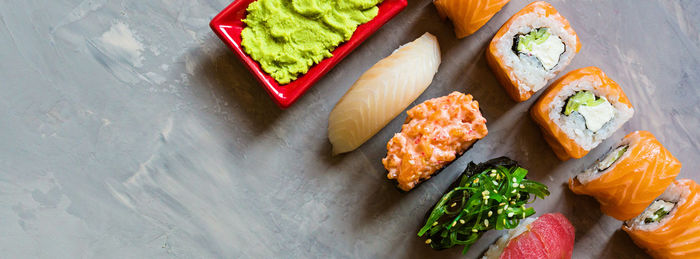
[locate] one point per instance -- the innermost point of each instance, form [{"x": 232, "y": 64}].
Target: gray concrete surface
[{"x": 129, "y": 130}]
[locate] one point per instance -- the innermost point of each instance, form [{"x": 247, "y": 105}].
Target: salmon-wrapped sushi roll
[
  {"x": 531, "y": 48},
  {"x": 468, "y": 15},
  {"x": 670, "y": 227},
  {"x": 434, "y": 134},
  {"x": 580, "y": 110},
  {"x": 627, "y": 179},
  {"x": 548, "y": 236}
]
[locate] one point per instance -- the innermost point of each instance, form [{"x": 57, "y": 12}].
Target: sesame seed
[
  {"x": 474, "y": 230},
  {"x": 476, "y": 180},
  {"x": 522, "y": 186},
  {"x": 435, "y": 223},
  {"x": 514, "y": 191},
  {"x": 427, "y": 242},
  {"x": 461, "y": 221},
  {"x": 515, "y": 180},
  {"x": 486, "y": 197},
  {"x": 499, "y": 211},
  {"x": 517, "y": 196},
  {"x": 512, "y": 202},
  {"x": 486, "y": 222},
  {"x": 501, "y": 204},
  {"x": 454, "y": 223},
  {"x": 453, "y": 204},
  {"x": 510, "y": 215},
  {"x": 506, "y": 207},
  {"x": 495, "y": 183},
  {"x": 515, "y": 185},
  {"x": 490, "y": 213},
  {"x": 493, "y": 171}
]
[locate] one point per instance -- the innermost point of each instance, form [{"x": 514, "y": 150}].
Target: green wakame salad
[{"x": 490, "y": 195}]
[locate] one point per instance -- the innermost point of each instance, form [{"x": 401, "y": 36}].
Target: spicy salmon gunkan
[{"x": 434, "y": 134}]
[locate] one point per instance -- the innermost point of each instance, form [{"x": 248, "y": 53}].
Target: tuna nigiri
[
  {"x": 382, "y": 92},
  {"x": 468, "y": 15},
  {"x": 549, "y": 236}
]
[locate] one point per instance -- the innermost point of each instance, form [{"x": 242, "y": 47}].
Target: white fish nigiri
[{"x": 381, "y": 93}]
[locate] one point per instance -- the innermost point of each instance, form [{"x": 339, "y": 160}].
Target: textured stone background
[{"x": 129, "y": 130}]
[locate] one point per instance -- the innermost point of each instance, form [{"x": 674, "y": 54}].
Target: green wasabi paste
[{"x": 287, "y": 37}]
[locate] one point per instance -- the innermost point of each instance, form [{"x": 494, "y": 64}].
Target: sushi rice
[
  {"x": 670, "y": 200},
  {"x": 608, "y": 162},
  {"x": 496, "y": 249},
  {"x": 531, "y": 73},
  {"x": 669, "y": 227},
  {"x": 633, "y": 174},
  {"x": 575, "y": 126},
  {"x": 550, "y": 235}
]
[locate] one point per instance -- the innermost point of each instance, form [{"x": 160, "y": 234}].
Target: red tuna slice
[
  {"x": 526, "y": 245},
  {"x": 550, "y": 236}
]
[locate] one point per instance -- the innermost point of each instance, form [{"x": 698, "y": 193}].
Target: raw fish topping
[
  {"x": 638, "y": 176},
  {"x": 383, "y": 92},
  {"x": 550, "y": 236},
  {"x": 468, "y": 16},
  {"x": 435, "y": 132},
  {"x": 676, "y": 234}
]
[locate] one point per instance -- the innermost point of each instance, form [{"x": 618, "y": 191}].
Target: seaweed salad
[{"x": 490, "y": 195}]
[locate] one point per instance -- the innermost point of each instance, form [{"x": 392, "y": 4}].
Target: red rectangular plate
[{"x": 228, "y": 25}]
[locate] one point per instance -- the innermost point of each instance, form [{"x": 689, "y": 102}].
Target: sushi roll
[
  {"x": 531, "y": 48},
  {"x": 580, "y": 110},
  {"x": 630, "y": 176},
  {"x": 548, "y": 236},
  {"x": 382, "y": 93},
  {"x": 490, "y": 195},
  {"x": 468, "y": 15},
  {"x": 670, "y": 226},
  {"x": 434, "y": 134}
]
